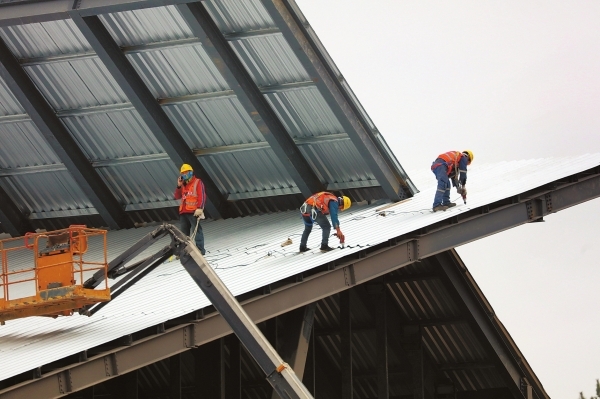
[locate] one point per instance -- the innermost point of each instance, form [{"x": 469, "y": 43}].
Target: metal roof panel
[
  {"x": 214, "y": 123},
  {"x": 76, "y": 84},
  {"x": 270, "y": 60},
  {"x": 179, "y": 71},
  {"x": 304, "y": 112},
  {"x": 23, "y": 145}
]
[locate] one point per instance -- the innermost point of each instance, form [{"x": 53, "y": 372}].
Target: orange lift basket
[{"x": 54, "y": 285}]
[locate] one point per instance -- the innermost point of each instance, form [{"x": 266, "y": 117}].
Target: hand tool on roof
[
  {"x": 461, "y": 189},
  {"x": 341, "y": 236}
]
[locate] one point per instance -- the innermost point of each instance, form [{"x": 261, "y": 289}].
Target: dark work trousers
[
  {"x": 442, "y": 194},
  {"x": 308, "y": 225},
  {"x": 188, "y": 224}
]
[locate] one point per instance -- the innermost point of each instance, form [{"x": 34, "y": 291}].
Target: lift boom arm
[{"x": 281, "y": 377}]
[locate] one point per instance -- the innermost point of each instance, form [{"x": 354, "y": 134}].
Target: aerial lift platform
[
  {"x": 53, "y": 285},
  {"x": 58, "y": 292}
]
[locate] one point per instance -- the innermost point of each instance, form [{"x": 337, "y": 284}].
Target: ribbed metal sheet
[
  {"x": 141, "y": 183},
  {"x": 60, "y": 192},
  {"x": 270, "y": 60},
  {"x": 76, "y": 84},
  {"x": 247, "y": 255},
  {"x": 214, "y": 123},
  {"x": 117, "y": 134},
  {"x": 338, "y": 162},
  {"x": 239, "y": 16},
  {"x": 249, "y": 172},
  {"x": 23, "y": 145},
  {"x": 8, "y": 103},
  {"x": 179, "y": 71},
  {"x": 150, "y": 25},
  {"x": 44, "y": 39},
  {"x": 304, "y": 113}
]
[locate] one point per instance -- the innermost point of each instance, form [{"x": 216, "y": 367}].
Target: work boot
[
  {"x": 450, "y": 204},
  {"x": 326, "y": 248},
  {"x": 304, "y": 249},
  {"x": 440, "y": 208}
]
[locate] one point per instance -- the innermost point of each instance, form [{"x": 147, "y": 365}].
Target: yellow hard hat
[
  {"x": 185, "y": 167},
  {"x": 347, "y": 203},
  {"x": 470, "y": 154}
]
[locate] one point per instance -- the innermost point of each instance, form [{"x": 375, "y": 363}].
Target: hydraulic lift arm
[{"x": 281, "y": 377}]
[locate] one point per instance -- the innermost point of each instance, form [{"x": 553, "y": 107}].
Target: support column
[
  {"x": 346, "y": 346},
  {"x": 293, "y": 346},
  {"x": 209, "y": 370}
]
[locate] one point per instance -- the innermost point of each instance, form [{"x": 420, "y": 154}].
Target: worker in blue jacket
[
  {"x": 315, "y": 209},
  {"x": 451, "y": 165}
]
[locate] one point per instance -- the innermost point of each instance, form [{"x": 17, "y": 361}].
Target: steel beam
[
  {"x": 392, "y": 179},
  {"x": 293, "y": 346},
  {"x": 11, "y": 218},
  {"x": 251, "y": 98},
  {"x": 58, "y": 138},
  {"x": 454, "y": 273},
  {"x": 151, "y": 112},
  {"x": 584, "y": 186}
]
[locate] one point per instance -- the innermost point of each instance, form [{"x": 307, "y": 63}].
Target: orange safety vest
[
  {"x": 320, "y": 201},
  {"x": 189, "y": 196},
  {"x": 451, "y": 159}
]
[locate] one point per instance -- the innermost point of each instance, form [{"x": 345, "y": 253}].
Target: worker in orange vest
[
  {"x": 451, "y": 165},
  {"x": 315, "y": 209},
  {"x": 190, "y": 190}
]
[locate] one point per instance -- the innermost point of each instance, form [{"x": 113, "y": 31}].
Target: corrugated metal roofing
[
  {"x": 23, "y": 145},
  {"x": 304, "y": 113},
  {"x": 247, "y": 255},
  {"x": 184, "y": 80},
  {"x": 214, "y": 123}
]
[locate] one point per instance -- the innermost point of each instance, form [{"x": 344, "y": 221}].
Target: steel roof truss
[
  {"x": 251, "y": 98},
  {"x": 147, "y": 106},
  {"x": 58, "y": 138}
]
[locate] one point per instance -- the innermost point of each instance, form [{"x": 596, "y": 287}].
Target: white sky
[{"x": 508, "y": 80}]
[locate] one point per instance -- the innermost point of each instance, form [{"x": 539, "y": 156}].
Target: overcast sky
[{"x": 508, "y": 80}]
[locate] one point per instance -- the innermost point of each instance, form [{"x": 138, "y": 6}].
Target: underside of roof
[{"x": 101, "y": 102}]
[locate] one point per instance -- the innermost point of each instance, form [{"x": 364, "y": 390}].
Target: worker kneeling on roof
[
  {"x": 451, "y": 165},
  {"x": 190, "y": 190},
  {"x": 315, "y": 209}
]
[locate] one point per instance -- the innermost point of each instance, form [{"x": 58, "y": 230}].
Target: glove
[{"x": 199, "y": 213}]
